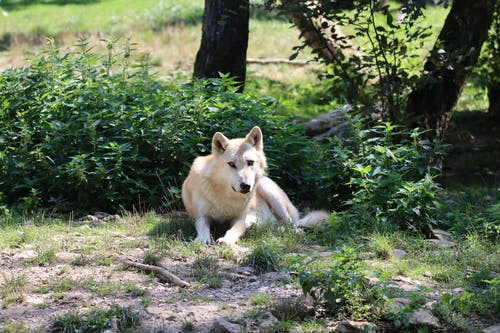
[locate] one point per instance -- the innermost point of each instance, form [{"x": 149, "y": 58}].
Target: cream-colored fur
[{"x": 229, "y": 185}]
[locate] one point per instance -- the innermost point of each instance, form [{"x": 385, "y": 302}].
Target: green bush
[
  {"x": 87, "y": 132},
  {"x": 342, "y": 290},
  {"x": 383, "y": 178},
  {"x": 82, "y": 131}
]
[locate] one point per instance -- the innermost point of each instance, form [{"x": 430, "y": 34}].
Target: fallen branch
[
  {"x": 162, "y": 272},
  {"x": 268, "y": 61},
  {"x": 329, "y": 124}
]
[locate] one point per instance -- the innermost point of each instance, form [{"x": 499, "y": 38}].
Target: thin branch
[
  {"x": 268, "y": 61},
  {"x": 162, "y": 272}
]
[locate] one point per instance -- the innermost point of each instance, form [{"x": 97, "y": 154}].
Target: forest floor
[{"x": 60, "y": 275}]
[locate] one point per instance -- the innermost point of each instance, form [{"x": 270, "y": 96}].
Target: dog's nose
[{"x": 244, "y": 188}]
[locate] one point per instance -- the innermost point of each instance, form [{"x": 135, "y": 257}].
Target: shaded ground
[
  {"x": 474, "y": 154},
  {"x": 85, "y": 272}
]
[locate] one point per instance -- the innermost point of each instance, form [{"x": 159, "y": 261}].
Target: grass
[
  {"x": 12, "y": 289},
  {"x": 471, "y": 265}
]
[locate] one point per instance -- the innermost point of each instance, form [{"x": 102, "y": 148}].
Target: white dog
[{"x": 229, "y": 185}]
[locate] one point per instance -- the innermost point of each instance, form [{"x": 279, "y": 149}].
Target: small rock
[
  {"x": 350, "y": 326},
  {"x": 398, "y": 254},
  {"x": 492, "y": 329},
  {"x": 245, "y": 270},
  {"x": 266, "y": 320},
  {"x": 223, "y": 326},
  {"x": 458, "y": 291},
  {"x": 441, "y": 234},
  {"x": 401, "y": 301},
  {"x": 442, "y": 243},
  {"x": 422, "y": 317},
  {"x": 428, "y": 274}
]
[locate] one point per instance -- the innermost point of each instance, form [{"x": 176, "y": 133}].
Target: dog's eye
[
  {"x": 232, "y": 165},
  {"x": 249, "y": 163}
]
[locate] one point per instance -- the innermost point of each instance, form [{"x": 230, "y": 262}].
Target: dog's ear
[
  {"x": 254, "y": 137},
  {"x": 219, "y": 143}
]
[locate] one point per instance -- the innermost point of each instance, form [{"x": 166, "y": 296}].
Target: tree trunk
[
  {"x": 317, "y": 31},
  {"x": 454, "y": 54},
  {"x": 494, "y": 98},
  {"x": 224, "y": 40}
]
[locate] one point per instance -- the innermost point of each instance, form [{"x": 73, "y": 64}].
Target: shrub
[
  {"x": 387, "y": 179},
  {"x": 342, "y": 290},
  {"x": 84, "y": 131}
]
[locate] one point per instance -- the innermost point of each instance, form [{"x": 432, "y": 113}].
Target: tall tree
[
  {"x": 452, "y": 58},
  {"x": 224, "y": 40}
]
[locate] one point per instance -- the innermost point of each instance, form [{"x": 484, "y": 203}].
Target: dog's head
[{"x": 244, "y": 159}]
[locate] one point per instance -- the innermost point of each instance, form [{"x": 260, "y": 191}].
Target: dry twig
[{"x": 162, "y": 272}]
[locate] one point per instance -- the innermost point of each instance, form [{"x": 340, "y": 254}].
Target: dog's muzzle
[{"x": 244, "y": 188}]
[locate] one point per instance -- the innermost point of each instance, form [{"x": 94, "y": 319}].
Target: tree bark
[
  {"x": 317, "y": 31},
  {"x": 224, "y": 40},
  {"x": 494, "y": 98},
  {"x": 455, "y": 52}
]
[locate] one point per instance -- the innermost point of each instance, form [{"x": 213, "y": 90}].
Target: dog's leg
[
  {"x": 234, "y": 234},
  {"x": 202, "y": 226}
]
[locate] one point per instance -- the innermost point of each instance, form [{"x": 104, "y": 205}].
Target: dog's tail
[{"x": 313, "y": 218}]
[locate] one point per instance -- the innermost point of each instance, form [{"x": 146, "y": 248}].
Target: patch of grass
[
  {"x": 151, "y": 258},
  {"x": 261, "y": 299},
  {"x": 174, "y": 227},
  {"x": 97, "y": 320},
  {"x": 44, "y": 257},
  {"x": 207, "y": 270},
  {"x": 264, "y": 258},
  {"x": 187, "y": 324},
  {"x": 381, "y": 246},
  {"x": 15, "y": 327},
  {"x": 103, "y": 288},
  {"x": 290, "y": 309},
  {"x": 13, "y": 289}
]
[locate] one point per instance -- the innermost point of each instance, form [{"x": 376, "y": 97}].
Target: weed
[
  {"x": 187, "y": 325},
  {"x": 151, "y": 258},
  {"x": 42, "y": 258},
  {"x": 12, "y": 290},
  {"x": 102, "y": 288},
  {"x": 290, "y": 309},
  {"x": 261, "y": 299},
  {"x": 264, "y": 258},
  {"x": 341, "y": 289},
  {"x": 15, "y": 327},
  {"x": 381, "y": 246},
  {"x": 207, "y": 270},
  {"x": 104, "y": 261},
  {"x": 97, "y": 320}
]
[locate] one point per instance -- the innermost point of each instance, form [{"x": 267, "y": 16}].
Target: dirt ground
[{"x": 169, "y": 308}]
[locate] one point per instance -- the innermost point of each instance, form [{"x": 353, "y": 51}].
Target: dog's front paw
[
  {"x": 228, "y": 240},
  {"x": 203, "y": 239}
]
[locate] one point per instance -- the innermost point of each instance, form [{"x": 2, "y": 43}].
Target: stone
[
  {"x": 423, "y": 317},
  {"x": 266, "y": 320},
  {"x": 492, "y": 329},
  {"x": 441, "y": 234},
  {"x": 351, "y": 326},
  {"x": 223, "y": 326},
  {"x": 398, "y": 254},
  {"x": 245, "y": 270},
  {"x": 442, "y": 243},
  {"x": 419, "y": 317}
]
